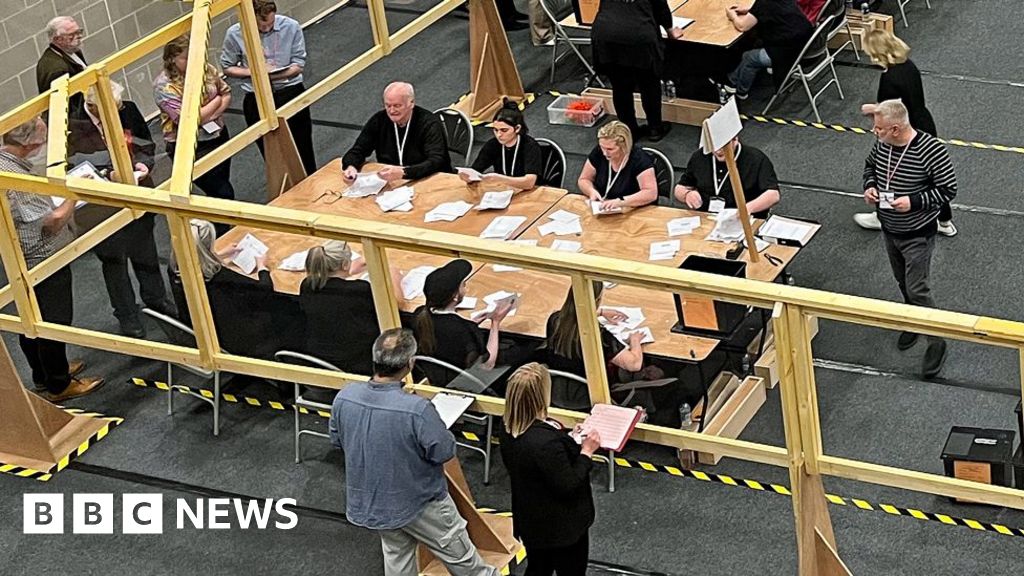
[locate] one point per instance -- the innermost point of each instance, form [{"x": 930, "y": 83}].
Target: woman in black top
[
  {"x": 901, "y": 80},
  {"x": 616, "y": 174},
  {"x": 628, "y": 48},
  {"x": 513, "y": 153},
  {"x": 445, "y": 335},
  {"x": 341, "y": 320},
  {"x": 552, "y": 503}
]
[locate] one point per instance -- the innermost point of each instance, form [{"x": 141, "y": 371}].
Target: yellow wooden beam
[
  {"x": 57, "y": 130},
  {"x": 183, "y": 243},
  {"x": 590, "y": 339},
  {"x": 384, "y": 297},
  {"x": 17, "y": 271},
  {"x": 259, "y": 73},
  {"x": 113, "y": 131},
  {"x": 79, "y": 246},
  {"x": 191, "y": 101},
  {"x": 379, "y": 25},
  {"x": 410, "y": 30}
]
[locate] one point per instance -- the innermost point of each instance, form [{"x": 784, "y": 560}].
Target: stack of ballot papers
[
  {"x": 566, "y": 245},
  {"x": 595, "y": 207},
  {"x": 621, "y": 330},
  {"x": 496, "y": 299},
  {"x": 294, "y": 263},
  {"x": 495, "y": 200},
  {"x": 365, "y": 185},
  {"x": 473, "y": 175},
  {"x": 448, "y": 212},
  {"x": 728, "y": 227},
  {"x": 561, "y": 223},
  {"x": 399, "y": 199},
  {"x": 665, "y": 250},
  {"x": 249, "y": 249},
  {"x": 682, "y": 226},
  {"x": 412, "y": 282},
  {"x": 502, "y": 227}
]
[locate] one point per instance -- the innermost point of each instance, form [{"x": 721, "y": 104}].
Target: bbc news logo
[{"x": 144, "y": 514}]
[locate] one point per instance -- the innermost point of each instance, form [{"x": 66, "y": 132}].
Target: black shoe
[
  {"x": 906, "y": 340},
  {"x": 659, "y": 132},
  {"x": 132, "y": 327},
  {"x": 515, "y": 25},
  {"x": 934, "y": 357}
]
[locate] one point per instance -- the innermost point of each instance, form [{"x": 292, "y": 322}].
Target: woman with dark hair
[{"x": 512, "y": 153}]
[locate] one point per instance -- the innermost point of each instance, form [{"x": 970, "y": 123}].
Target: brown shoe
[
  {"x": 75, "y": 367},
  {"x": 78, "y": 387}
]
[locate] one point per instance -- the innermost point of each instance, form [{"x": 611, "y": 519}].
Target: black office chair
[
  {"x": 552, "y": 164},
  {"x": 665, "y": 175},
  {"x": 458, "y": 131}
]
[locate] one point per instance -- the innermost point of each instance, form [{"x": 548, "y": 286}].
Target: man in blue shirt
[
  {"x": 395, "y": 448},
  {"x": 284, "y": 47}
]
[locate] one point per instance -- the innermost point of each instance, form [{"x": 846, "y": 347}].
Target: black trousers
[
  {"x": 565, "y": 561},
  {"x": 134, "y": 242},
  {"x": 216, "y": 182},
  {"x": 48, "y": 358},
  {"x": 301, "y": 125},
  {"x": 625, "y": 81}
]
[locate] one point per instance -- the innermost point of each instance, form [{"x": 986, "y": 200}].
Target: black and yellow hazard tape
[
  {"x": 857, "y": 130},
  {"x": 45, "y": 475},
  {"x": 520, "y": 555},
  {"x": 529, "y": 99}
]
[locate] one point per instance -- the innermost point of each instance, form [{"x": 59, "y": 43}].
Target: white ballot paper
[
  {"x": 211, "y": 127},
  {"x": 496, "y": 299},
  {"x": 502, "y": 227},
  {"x": 448, "y": 212},
  {"x": 634, "y": 318},
  {"x": 365, "y": 185},
  {"x": 665, "y": 250},
  {"x": 681, "y": 226},
  {"x": 728, "y": 227},
  {"x": 294, "y": 263},
  {"x": 474, "y": 176},
  {"x": 495, "y": 200},
  {"x": 559, "y": 228},
  {"x": 399, "y": 199},
  {"x": 467, "y": 303},
  {"x": 412, "y": 282},
  {"x": 595, "y": 207},
  {"x": 566, "y": 246},
  {"x": 249, "y": 249},
  {"x": 563, "y": 216},
  {"x": 450, "y": 406},
  {"x": 647, "y": 338}
]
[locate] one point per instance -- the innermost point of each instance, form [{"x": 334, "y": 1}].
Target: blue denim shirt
[
  {"x": 283, "y": 46},
  {"x": 395, "y": 446}
]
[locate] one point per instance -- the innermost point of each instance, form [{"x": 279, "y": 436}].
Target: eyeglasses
[
  {"x": 332, "y": 196},
  {"x": 76, "y": 34}
]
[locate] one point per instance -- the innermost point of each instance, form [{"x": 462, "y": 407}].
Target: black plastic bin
[{"x": 710, "y": 318}]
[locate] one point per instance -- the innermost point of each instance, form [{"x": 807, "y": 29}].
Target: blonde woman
[
  {"x": 341, "y": 320},
  {"x": 900, "y": 80},
  {"x": 552, "y": 504},
  {"x": 168, "y": 88},
  {"x": 615, "y": 173}
]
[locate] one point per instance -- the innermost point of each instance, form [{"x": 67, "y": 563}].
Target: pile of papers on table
[
  {"x": 448, "y": 212},
  {"x": 399, "y": 199},
  {"x": 622, "y": 330},
  {"x": 365, "y": 185},
  {"x": 502, "y": 227},
  {"x": 561, "y": 223}
]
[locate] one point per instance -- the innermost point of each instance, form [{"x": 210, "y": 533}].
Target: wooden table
[{"x": 710, "y": 24}]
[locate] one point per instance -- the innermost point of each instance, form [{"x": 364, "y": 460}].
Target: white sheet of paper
[
  {"x": 249, "y": 248},
  {"x": 722, "y": 126},
  {"x": 561, "y": 228},
  {"x": 681, "y": 226},
  {"x": 468, "y": 303},
  {"x": 211, "y": 127},
  {"x": 412, "y": 282},
  {"x": 450, "y": 406},
  {"x": 502, "y": 227},
  {"x": 563, "y": 216},
  {"x": 779, "y": 227},
  {"x": 294, "y": 263},
  {"x": 728, "y": 227},
  {"x": 396, "y": 199},
  {"x": 495, "y": 200},
  {"x": 474, "y": 176},
  {"x": 648, "y": 336},
  {"x": 595, "y": 207},
  {"x": 505, "y": 268},
  {"x": 365, "y": 185},
  {"x": 566, "y": 245},
  {"x": 58, "y": 201},
  {"x": 634, "y": 317},
  {"x": 665, "y": 250},
  {"x": 448, "y": 212}
]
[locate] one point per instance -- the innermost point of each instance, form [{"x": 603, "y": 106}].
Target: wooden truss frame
[{"x": 792, "y": 307}]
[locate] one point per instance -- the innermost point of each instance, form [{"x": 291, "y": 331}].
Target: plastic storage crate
[{"x": 560, "y": 113}]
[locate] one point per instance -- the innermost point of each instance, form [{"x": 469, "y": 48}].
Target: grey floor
[{"x": 873, "y": 404}]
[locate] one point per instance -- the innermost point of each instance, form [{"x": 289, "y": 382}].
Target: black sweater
[
  {"x": 903, "y": 81},
  {"x": 426, "y": 149},
  {"x": 251, "y": 318},
  {"x": 341, "y": 323}
]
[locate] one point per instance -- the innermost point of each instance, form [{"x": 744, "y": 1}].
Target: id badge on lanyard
[{"x": 717, "y": 203}]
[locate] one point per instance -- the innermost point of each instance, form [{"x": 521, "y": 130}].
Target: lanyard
[
  {"x": 889, "y": 174},
  {"x": 515, "y": 153},
  {"x": 714, "y": 171},
  {"x": 401, "y": 144},
  {"x": 611, "y": 181}
]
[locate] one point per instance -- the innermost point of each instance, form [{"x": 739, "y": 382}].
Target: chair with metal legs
[{"x": 300, "y": 401}]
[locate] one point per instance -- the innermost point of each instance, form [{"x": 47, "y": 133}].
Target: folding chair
[
  {"x": 458, "y": 131},
  {"x": 556, "y": 10},
  {"x": 837, "y": 9},
  {"x": 301, "y": 402},
  {"x": 814, "y": 59},
  {"x": 552, "y": 164},
  {"x": 903, "y": 12},
  {"x": 665, "y": 175}
]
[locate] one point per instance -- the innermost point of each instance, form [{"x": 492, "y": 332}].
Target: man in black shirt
[
  {"x": 783, "y": 31},
  {"x": 407, "y": 138},
  {"x": 704, "y": 184}
]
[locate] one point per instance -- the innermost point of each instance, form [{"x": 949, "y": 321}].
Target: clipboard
[{"x": 789, "y": 241}]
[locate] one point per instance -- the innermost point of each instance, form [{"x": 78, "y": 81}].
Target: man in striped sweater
[{"x": 908, "y": 175}]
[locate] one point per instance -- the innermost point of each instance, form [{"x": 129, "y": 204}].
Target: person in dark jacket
[
  {"x": 408, "y": 139},
  {"x": 782, "y": 30},
  {"x": 135, "y": 241},
  {"x": 900, "y": 80},
  {"x": 513, "y": 154},
  {"x": 552, "y": 503},
  {"x": 62, "y": 56},
  {"x": 628, "y": 49}
]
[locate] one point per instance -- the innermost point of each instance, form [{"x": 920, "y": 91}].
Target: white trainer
[
  {"x": 867, "y": 221},
  {"x": 947, "y": 228}
]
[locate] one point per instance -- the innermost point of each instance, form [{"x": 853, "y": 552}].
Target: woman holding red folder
[{"x": 552, "y": 505}]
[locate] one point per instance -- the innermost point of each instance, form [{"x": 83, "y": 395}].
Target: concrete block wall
[{"x": 110, "y": 25}]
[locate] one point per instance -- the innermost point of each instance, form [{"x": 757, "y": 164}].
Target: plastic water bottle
[
  {"x": 670, "y": 89},
  {"x": 664, "y": 91},
  {"x": 865, "y": 8},
  {"x": 685, "y": 416}
]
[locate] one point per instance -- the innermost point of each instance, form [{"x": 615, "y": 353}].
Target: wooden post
[
  {"x": 493, "y": 72},
  {"x": 192, "y": 96},
  {"x": 57, "y": 130},
  {"x": 259, "y": 74},
  {"x": 16, "y": 269},
  {"x": 741, "y": 202},
  {"x": 384, "y": 298},
  {"x": 379, "y": 24},
  {"x": 590, "y": 339},
  {"x": 113, "y": 131},
  {"x": 184, "y": 245}
]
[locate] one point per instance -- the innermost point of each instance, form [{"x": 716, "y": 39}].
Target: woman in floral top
[{"x": 167, "y": 91}]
